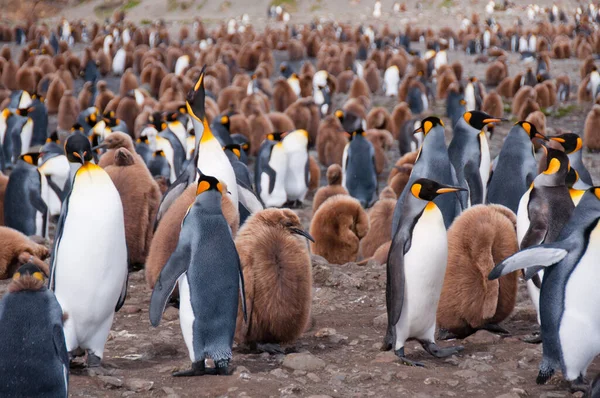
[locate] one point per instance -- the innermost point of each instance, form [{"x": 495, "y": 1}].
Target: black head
[
  {"x": 572, "y": 177},
  {"x": 91, "y": 119},
  {"x": 159, "y": 154},
  {"x": 340, "y": 115},
  {"x": 78, "y": 148},
  {"x": 531, "y": 130},
  {"x": 427, "y": 189},
  {"x": 24, "y": 111},
  {"x": 29, "y": 269},
  {"x": 109, "y": 118},
  {"x": 208, "y": 183},
  {"x": 53, "y": 138},
  {"x": 30, "y": 158},
  {"x": 171, "y": 116},
  {"x": 570, "y": 142},
  {"x": 195, "y": 98},
  {"x": 479, "y": 119},
  {"x": 76, "y": 127},
  {"x": 429, "y": 123},
  {"x": 278, "y": 136},
  {"x": 235, "y": 148},
  {"x": 556, "y": 162},
  {"x": 225, "y": 121}
]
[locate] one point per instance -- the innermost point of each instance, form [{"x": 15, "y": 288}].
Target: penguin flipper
[
  {"x": 123, "y": 294},
  {"x": 58, "y": 338},
  {"x": 242, "y": 287},
  {"x": 538, "y": 223},
  {"x": 272, "y": 175},
  {"x": 394, "y": 292},
  {"x": 176, "y": 266},
  {"x": 57, "y": 237},
  {"x": 307, "y": 172},
  {"x": 543, "y": 256},
  {"x": 474, "y": 184}
]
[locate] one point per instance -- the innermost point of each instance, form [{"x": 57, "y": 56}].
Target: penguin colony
[{"x": 190, "y": 169}]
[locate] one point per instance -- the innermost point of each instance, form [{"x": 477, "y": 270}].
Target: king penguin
[
  {"x": 415, "y": 271},
  {"x": 568, "y": 313},
  {"x": 516, "y": 167},
  {"x": 55, "y": 167},
  {"x": 469, "y": 153},
  {"x": 358, "y": 166},
  {"x": 79, "y": 263},
  {"x": 295, "y": 145},
  {"x": 573, "y": 144},
  {"x": 211, "y": 158},
  {"x": 207, "y": 269},
  {"x": 432, "y": 162},
  {"x": 270, "y": 171},
  {"x": 34, "y": 360}
]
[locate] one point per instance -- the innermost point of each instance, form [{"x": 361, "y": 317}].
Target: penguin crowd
[{"x": 194, "y": 158}]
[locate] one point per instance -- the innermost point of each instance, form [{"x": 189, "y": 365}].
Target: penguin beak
[
  {"x": 419, "y": 130},
  {"x": 558, "y": 139},
  {"x": 493, "y": 120},
  {"x": 541, "y": 136},
  {"x": 80, "y": 155},
  {"x": 100, "y": 146},
  {"x": 299, "y": 231},
  {"x": 449, "y": 189}
]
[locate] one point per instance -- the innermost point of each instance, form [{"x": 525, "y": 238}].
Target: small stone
[
  {"x": 353, "y": 343},
  {"x": 380, "y": 321},
  {"x": 325, "y": 332},
  {"x": 110, "y": 382},
  {"x": 483, "y": 337},
  {"x": 170, "y": 392},
  {"x": 578, "y": 394},
  {"x": 128, "y": 393},
  {"x": 450, "y": 394},
  {"x": 401, "y": 375},
  {"x": 452, "y": 382},
  {"x": 313, "y": 377},
  {"x": 520, "y": 392},
  {"x": 232, "y": 389},
  {"x": 299, "y": 373},
  {"x": 289, "y": 390},
  {"x": 279, "y": 373},
  {"x": 171, "y": 314},
  {"x": 138, "y": 385},
  {"x": 303, "y": 361},
  {"x": 385, "y": 357},
  {"x": 301, "y": 380},
  {"x": 431, "y": 380},
  {"x": 337, "y": 338},
  {"x": 509, "y": 395},
  {"x": 387, "y": 377},
  {"x": 130, "y": 309},
  {"x": 466, "y": 374}
]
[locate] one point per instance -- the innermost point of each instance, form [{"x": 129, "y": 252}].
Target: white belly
[
  {"x": 186, "y": 315},
  {"x": 295, "y": 181},
  {"x": 424, "y": 271},
  {"x": 392, "y": 81},
  {"x": 470, "y": 97},
  {"x": 91, "y": 261},
  {"x": 484, "y": 166},
  {"x": 580, "y": 325},
  {"x": 344, "y": 161},
  {"x": 118, "y": 64},
  {"x": 26, "y": 135},
  {"x": 182, "y": 63},
  {"x": 523, "y": 216},
  {"x": 162, "y": 144},
  {"x": 278, "y": 197},
  {"x": 214, "y": 162}
]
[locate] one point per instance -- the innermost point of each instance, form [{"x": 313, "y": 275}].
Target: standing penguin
[
  {"x": 473, "y": 95},
  {"x": 270, "y": 172},
  {"x": 211, "y": 158},
  {"x": 573, "y": 144},
  {"x": 358, "y": 165},
  {"x": 543, "y": 211},
  {"x": 415, "y": 271},
  {"x": 515, "y": 168},
  {"x": 34, "y": 360},
  {"x": 432, "y": 162},
  {"x": 55, "y": 167},
  {"x": 295, "y": 146},
  {"x": 469, "y": 153},
  {"x": 91, "y": 306},
  {"x": 207, "y": 269},
  {"x": 569, "y": 321}
]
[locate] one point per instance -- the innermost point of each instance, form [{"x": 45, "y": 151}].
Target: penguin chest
[
  {"x": 485, "y": 162},
  {"x": 26, "y": 135},
  {"x": 212, "y": 161},
  {"x": 2, "y": 129},
  {"x": 277, "y": 196},
  {"x": 579, "y": 330},
  {"x": 470, "y": 97},
  {"x": 424, "y": 271},
  {"x": 523, "y": 216},
  {"x": 295, "y": 177}
]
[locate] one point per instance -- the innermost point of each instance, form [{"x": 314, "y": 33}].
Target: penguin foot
[
  {"x": 439, "y": 352},
  {"x": 223, "y": 369},
  {"x": 405, "y": 361},
  {"x": 534, "y": 338},
  {"x": 495, "y": 328},
  {"x": 579, "y": 384},
  {"x": 272, "y": 349},
  {"x": 134, "y": 267},
  {"x": 445, "y": 334},
  {"x": 198, "y": 369},
  {"x": 93, "y": 360},
  {"x": 544, "y": 375}
]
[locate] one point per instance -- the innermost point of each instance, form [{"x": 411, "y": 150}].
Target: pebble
[
  {"x": 138, "y": 385},
  {"x": 131, "y": 309},
  {"x": 385, "y": 357},
  {"x": 380, "y": 321},
  {"x": 482, "y": 337},
  {"x": 509, "y": 395},
  {"x": 466, "y": 374},
  {"x": 171, "y": 314},
  {"x": 299, "y": 373},
  {"x": 303, "y": 361},
  {"x": 170, "y": 392},
  {"x": 289, "y": 390},
  {"x": 325, "y": 332},
  {"x": 353, "y": 343},
  {"x": 553, "y": 394},
  {"x": 313, "y": 377},
  {"x": 401, "y": 375},
  {"x": 110, "y": 381},
  {"x": 279, "y": 373},
  {"x": 452, "y": 382},
  {"x": 431, "y": 380}
]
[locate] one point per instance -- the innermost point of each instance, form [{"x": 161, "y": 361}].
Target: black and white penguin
[
  {"x": 295, "y": 146},
  {"x": 55, "y": 167},
  {"x": 38, "y": 113},
  {"x": 469, "y": 153},
  {"x": 573, "y": 144},
  {"x": 34, "y": 360},
  {"x": 432, "y": 162},
  {"x": 415, "y": 271},
  {"x": 568, "y": 315},
  {"x": 26, "y": 198},
  {"x": 456, "y": 105},
  {"x": 220, "y": 129},
  {"x": 358, "y": 166},
  {"x": 160, "y": 166},
  {"x": 93, "y": 200},
  {"x": 207, "y": 269},
  {"x": 473, "y": 95},
  {"x": 270, "y": 171},
  {"x": 249, "y": 203},
  {"x": 515, "y": 168},
  {"x": 5, "y": 139}
]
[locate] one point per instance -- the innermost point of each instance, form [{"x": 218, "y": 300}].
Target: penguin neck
[
  {"x": 550, "y": 180},
  {"x": 207, "y": 135}
]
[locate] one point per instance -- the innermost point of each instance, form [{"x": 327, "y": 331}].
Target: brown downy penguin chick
[
  {"x": 306, "y": 116},
  {"x": 530, "y": 106},
  {"x": 337, "y": 227},
  {"x": 56, "y": 91},
  {"x": 586, "y": 67},
  {"x": 331, "y": 141},
  {"x": 380, "y": 119},
  {"x": 524, "y": 93},
  {"x": 407, "y": 159},
  {"x": 542, "y": 95},
  {"x": 281, "y": 122},
  {"x": 3, "y": 184},
  {"x": 380, "y": 220},
  {"x": 14, "y": 243},
  {"x": 26, "y": 79},
  {"x": 583, "y": 94},
  {"x": 113, "y": 142},
  {"x": 129, "y": 82},
  {"x": 66, "y": 77},
  {"x": 128, "y": 110},
  {"x": 458, "y": 70},
  {"x": 283, "y": 95},
  {"x": 333, "y": 187},
  {"x": 372, "y": 77},
  {"x": 400, "y": 179},
  {"x": 495, "y": 73},
  {"x": 381, "y": 140},
  {"x": 492, "y": 105},
  {"x": 9, "y": 75},
  {"x": 591, "y": 133},
  {"x": 345, "y": 81},
  {"x": 277, "y": 274},
  {"x": 140, "y": 196},
  {"x": 400, "y": 115},
  {"x": 479, "y": 238},
  {"x": 104, "y": 63},
  {"x": 166, "y": 235},
  {"x": 105, "y": 95},
  {"x": 359, "y": 88},
  {"x": 504, "y": 88},
  {"x": 68, "y": 111},
  {"x": 230, "y": 97},
  {"x": 260, "y": 127},
  {"x": 314, "y": 173},
  {"x": 85, "y": 96}
]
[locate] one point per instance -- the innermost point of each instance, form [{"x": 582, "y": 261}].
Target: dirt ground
[{"x": 342, "y": 356}]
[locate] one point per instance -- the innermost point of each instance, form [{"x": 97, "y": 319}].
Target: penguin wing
[
  {"x": 307, "y": 172},
  {"x": 57, "y": 237},
  {"x": 268, "y": 170},
  {"x": 176, "y": 266},
  {"x": 59, "y": 192},
  {"x": 538, "y": 222},
  {"x": 123, "y": 294},
  {"x": 474, "y": 184},
  {"x": 538, "y": 256},
  {"x": 394, "y": 291},
  {"x": 249, "y": 199},
  {"x": 242, "y": 287},
  {"x": 187, "y": 177}
]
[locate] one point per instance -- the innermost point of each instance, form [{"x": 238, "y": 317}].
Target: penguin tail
[{"x": 545, "y": 373}]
